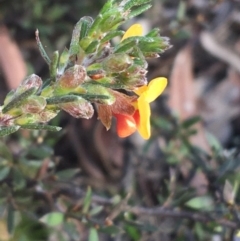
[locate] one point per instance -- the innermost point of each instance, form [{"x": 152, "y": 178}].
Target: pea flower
[
  {"x": 140, "y": 120},
  {"x": 134, "y": 30}
]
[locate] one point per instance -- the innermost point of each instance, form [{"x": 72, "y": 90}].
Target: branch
[
  {"x": 76, "y": 192},
  {"x": 200, "y": 217}
]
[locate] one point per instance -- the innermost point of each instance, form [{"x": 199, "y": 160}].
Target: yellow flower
[
  {"x": 140, "y": 120},
  {"x": 147, "y": 94},
  {"x": 134, "y": 30}
]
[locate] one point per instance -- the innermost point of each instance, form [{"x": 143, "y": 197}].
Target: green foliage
[
  {"x": 203, "y": 203},
  {"x": 93, "y": 235},
  {"x": 39, "y": 200},
  {"x": 24, "y": 184},
  {"x": 53, "y": 219}
]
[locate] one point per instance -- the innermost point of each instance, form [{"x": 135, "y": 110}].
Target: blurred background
[{"x": 195, "y": 144}]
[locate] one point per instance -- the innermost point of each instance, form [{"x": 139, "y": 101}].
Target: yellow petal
[
  {"x": 144, "y": 127},
  {"x": 155, "y": 88},
  {"x": 134, "y": 30},
  {"x": 141, "y": 90}
]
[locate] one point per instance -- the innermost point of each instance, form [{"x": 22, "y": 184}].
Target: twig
[
  {"x": 75, "y": 192},
  {"x": 159, "y": 211},
  {"x": 119, "y": 208}
]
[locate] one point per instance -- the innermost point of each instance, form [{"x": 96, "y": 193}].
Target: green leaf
[
  {"x": 227, "y": 167},
  {"x": 95, "y": 25},
  {"x": 92, "y": 89},
  {"x": 111, "y": 230},
  {"x": 61, "y": 99},
  {"x": 10, "y": 219},
  {"x": 67, "y": 174},
  {"x": 139, "y": 10},
  {"x": 153, "y": 44},
  {"x": 29, "y": 229},
  {"x": 53, "y": 219},
  {"x": 190, "y": 122},
  {"x": 74, "y": 46},
  {"x": 86, "y": 24},
  {"x": 213, "y": 142},
  {"x": 72, "y": 229},
  {"x": 133, "y": 232},
  {"x": 18, "y": 100},
  {"x": 41, "y": 127},
  {"x": 93, "y": 235},
  {"x": 228, "y": 193},
  {"x": 204, "y": 203},
  {"x": 5, "y": 152},
  {"x": 29, "y": 168},
  {"x": 200, "y": 231},
  {"x": 9, "y": 97},
  {"x": 19, "y": 181},
  {"x": 4, "y": 171},
  {"x": 126, "y": 45},
  {"x": 164, "y": 124},
  {"x": 131, "y": 3},
  {"x": 96, "y": 210},
  {"x": 111, "y": 20},
  {"x": 153, "y": 33},
  {"x": 63, "y": 61},
  {"x": 7, "y": 130},
  {"x": 92, "y": 97},
  {"x": 112, "y": 35},
  {"x": 92, "y": 71},
  {"x": 108, "y": 5},
  {"x": 41, "y": 49},
  {"x": 92, "y": 46},
  {"x": 87, "y": 200},
  {"x": 181, "y": 13},
  {"x": 23, "y": 197},
  {"x": 85, "y": 42},
  {"x": 46, "y": 84},
  {"x": 54, "y": 64}
]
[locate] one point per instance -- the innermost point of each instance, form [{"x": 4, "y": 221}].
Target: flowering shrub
[
  {"x": 79, "y": 185},
  {"x": 93, "y": 71}
]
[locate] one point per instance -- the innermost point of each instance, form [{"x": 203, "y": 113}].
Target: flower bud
[
  {"x": 46, "y": 115},
  {"x": 71, "y": 78},
  {"x": 25, "y": 119},
  {"x": 32, "y": 81},
  {"x": 116, "y": 63},
  {"x": 41, "y": 117},
  {"x": 5, "y": 119},
  {"x": 34, "y": 104},
  {"x": 137, "y": 81},
  {"x": 78, "y": 109},
  {"x": 133, "y": 77}
]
